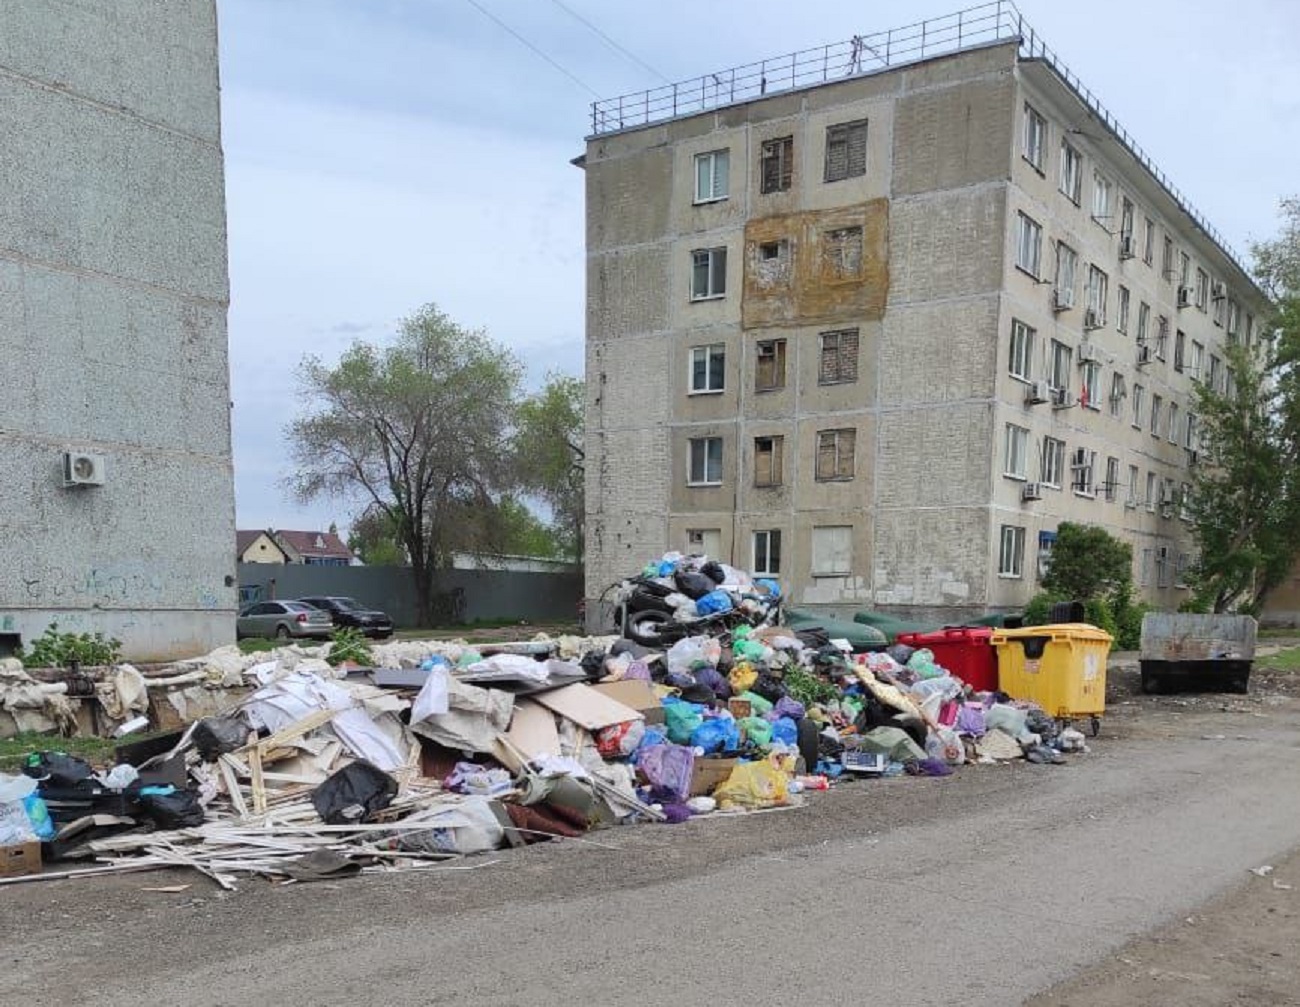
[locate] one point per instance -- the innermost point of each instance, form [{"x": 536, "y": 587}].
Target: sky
[{"x": 385, "y": 154}]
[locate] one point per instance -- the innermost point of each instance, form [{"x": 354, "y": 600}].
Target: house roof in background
[
  {"x": 314, "y": 543},
  {"x": 247, "y": 536}
]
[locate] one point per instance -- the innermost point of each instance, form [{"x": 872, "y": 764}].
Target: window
[
  {"x": 1198, "y": 357},
  {"x": 1144, "y": 322},
  {"x": 846, "y": 150},
  {"x": 769, "y": 370},
  {"x": 1126, "y": 223},
  {"x": 1162, "y": 336},
  {"x": 1111, "y": 486},
  {"x": 1121, "y": 323},
  {"x": 1162, "y": 566},
  {"x": 774, "y": 251},
  {"x": 1011, "y": 551},
  {"x": 1035, "y": 138},
  {"x": 704, "y": 467},
  {"x": 767, "y": 552},
  {"x": 1061, "y": 361},
  {"x": 1234, "y": 320},
  {"x": 1138, "y": 396},
  {"x": 1022, "y": 351},
  {"x": 708, "y": 273},
  {"x": 1156, "y": 403},
  {"x": 1029, "y": 245},
  {"x": 1192, "y": 430},
  {"x": 704, "y": 541},
  {"x": 1185, "y": 501},
  {"x": 1053, "y": 470},
  {"x": 1152, "y": 492},
  {"x": 842, "y": 253},
  {"x": 768, "y": 460},
  {"x": 1173, "y": 423},
  {"x": 1082, "y": 466},
  {"x": 1144, "y": 570},
  {"x": 708, "y": 364},
  {"x": 1071, "y": 172},
  {"x": 1149, "y": 241},
  {"x": 1220, "y": 304},
  {"x": 1097, "y": 284},
  {"x": 1132, "y": 499},
  {"x": 1017, "y": 440},
  {"x": 1250, "y": 329},
  {"x": 835, "y": 450},
  {"x": 776, "y": 164},
  {"x": 1101, "y": 197},
  {"x": 711, "y": 171},
  {"x": 1180, "y": 350},
  {"x": 1117, "y": 393},
  {"x": 1090, "y": 398},
  {"x": 832, "y": 550},
  {"x": 839, "y": 357},
  {"x": 1066, "y": 261},
  {"x": 1202, "y": 289},
  {"x": 1167, "y": 258},
  {"x": 1214, "y": 373}
]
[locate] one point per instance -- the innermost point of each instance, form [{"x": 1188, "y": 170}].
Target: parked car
[
  {"x": 283, "y": 620},
  {"x": 349, "y": 612}
]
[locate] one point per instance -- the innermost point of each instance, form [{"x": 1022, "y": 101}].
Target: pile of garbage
[{"x": 451, "y": 750}]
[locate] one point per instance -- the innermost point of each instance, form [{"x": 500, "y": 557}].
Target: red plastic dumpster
[{"x": 966, "y": 651}]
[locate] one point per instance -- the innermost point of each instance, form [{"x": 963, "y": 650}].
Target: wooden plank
[
  {"x": 259, "y": 785},
  {"x": 232, "y": 786},
  {"x": 586, "y": 707},
  {"x": 281, "y": 738}
]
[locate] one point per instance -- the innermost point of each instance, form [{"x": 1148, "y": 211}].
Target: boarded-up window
[
  {"x": 842, "y": 253},
  {"x": 839, "y": 357},
  {"x": 768, "y": 461},
  {"x": 777, "y": 162},
  {"x": 835, "y": 450},
  {"x": 832, "y": 550},
  {"x": 846, "y": 150},
  {"x": 769, "y": 373}
]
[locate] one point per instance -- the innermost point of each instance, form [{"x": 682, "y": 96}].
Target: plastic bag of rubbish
[
  {"x": 694, "y": 652},
  {"x": 769, "y": 687},
  {"x": 58, "y": 769},
  {"x": 788, "y": 706},
  {"x": 946, "y": 745},
  {"x": 945, "y": 687},
  {"x": 713, "y": 570},
  {"x": 922, "y": 662},
  {"x": 768, "y": 587},
  {"x": 900, "y": 652},
  {"x": 169, "y": 808},
  {"x": 970, "y": 720},
  {"x": 757, "y": 704},
  {"x": 758, "y": 732},
  {"x": 354, "y": 793},
  {"x": 693, "y": 585},
  {"x": 742, "y": 676},
  {"x": 717, "y": 734},
  {"x": 882, "y": 664},
  {"x": 713, "y": 603},
  {"x": 753, "y": 785},
  {"x": 620, "y": 740},
  {"x": 681, "y": 720},
  {"x": 215, "y": 736},
  {"x": 715, "y": 681},
  {"x": 1006, "y": 718},
  {"x": 23, "y": 815},
  {"x": 668, "y": 769},
  {"x": 785, "y": 731}
]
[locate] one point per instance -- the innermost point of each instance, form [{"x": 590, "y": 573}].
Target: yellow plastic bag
[
  {"x": 753, "y": 785},
  {"x": 742, "y": 677}
]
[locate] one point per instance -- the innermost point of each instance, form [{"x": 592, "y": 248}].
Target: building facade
[
  {"x": 880, "y": 334},
  {"x": 116, "y": 498}
]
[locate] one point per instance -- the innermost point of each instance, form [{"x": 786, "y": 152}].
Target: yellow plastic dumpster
[{"x": 1061, "y": 667}]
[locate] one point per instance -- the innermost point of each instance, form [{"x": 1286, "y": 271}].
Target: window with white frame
[
  {"x": 1192, "y": 429},
  {"x": 1198, "y": 359},
  {"x": 1016, "y": 444},
  {"x": 1220, "y": 304},
  {"x": 1035, "y": 141},
  {"x": 1174, "y": 429},
  {"x": 846, "y": 150},
  {"x": 1126, "y": 222},
  {"x": 832, "y": 550},
  {"x": 1144, "y": 568},
  {"x": 1144, "y": 322},
  {"x": 1157, "y": 402},
  {"x": 1167, "y": 258},
  {"x": 712, "y": 171},
  {"x": 1121, "y": 322},
  {"x": 767, "y": 552},
  {"x": 1202, "y": 289},
  {"x": 1090, "y": 396},
  {"x": 1083, "y": 465},
  {"x": 1185, "y": 501},
  {"x": 1117, "y": 393},
  {"x": 1071, "y": 172},
  {"x": 1139, "y": 395},
  {"x": 1162, "y": 337},
  {"x": 1097, "y": 285},
  {"x": 1060, "y": 361},
  {"x": 1180, "y": 351},
  {"x": 1234, "y": 320},
  {"x": 1053, "y": 465},
  {"x": 1132, "y": 500},
  {"x": 1029, "y": 245},
  {"x": 1214, "y": 375},
  {"x": 1153, "y": 492},
  {"x": 1011, "y": 551},
  {"x": 1067, "y": 261},
  {"x": 704, "y": 463},
  {"x": 1149, "y": 241},
  {"x": 1184, "y": 269},
  {"x": 1111, "y": 486},
  {"x": 708, "y": 365},
  {"x": 708, "y": 273},
  {"x": 1101, "y": 198},
  {"x": 1022, "y": 351},
  {"x": 1162, "y": 566}
]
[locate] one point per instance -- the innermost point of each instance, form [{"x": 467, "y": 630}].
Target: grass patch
[
  {"x": 14, "y": 751},
  {"x": 1283, "y": 660},
  {"x": 257, "y": 645}
]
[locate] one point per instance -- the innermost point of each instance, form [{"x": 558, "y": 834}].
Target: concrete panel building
[
  {"x": 877, "y": 318},
  {"x": 116, "y": 493}
]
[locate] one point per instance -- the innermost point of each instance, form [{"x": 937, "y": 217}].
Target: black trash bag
[
  {"x": 214, "y": 736},
  {"x": 829, "y": 748},
  {"x": 178, "y": 810},
  {"x": 1039, "y": 723},
  {"x": 353, "y": 794},
  {"x": 57, "y": 769},
  {"x": 813, "y": 637},
  {"x": 713, "y": 570},
  {"x": 631, "y": 647},
  {"x": 900, "y": 652},
  {"x": 593, "y": 665},
  {"x": 694, "y": 585},
  {"x": 770, "y": 688}
]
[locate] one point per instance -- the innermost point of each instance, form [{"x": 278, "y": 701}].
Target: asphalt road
[{"x": 982, "y": 888}]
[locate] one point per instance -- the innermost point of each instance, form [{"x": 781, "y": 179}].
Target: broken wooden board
[{"x": 586, "y": 707}]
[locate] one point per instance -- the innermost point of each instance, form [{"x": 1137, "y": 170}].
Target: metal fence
[{"x": 999, "y": 20}]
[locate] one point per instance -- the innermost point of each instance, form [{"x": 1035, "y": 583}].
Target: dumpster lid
[{"x": 1058, "y": 630}]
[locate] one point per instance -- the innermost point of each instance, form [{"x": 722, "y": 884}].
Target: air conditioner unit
[
  {"x": 1144, "y": 355},
  {"x": 1184, "y": 296},
  {"x": 1031, "y": 491},
  {"x": 1126, "y": 246},
  {"x": 1087, "y": 352},
  {"x": 1062, "y": 398},
  {"x": 1037, "y": 393},
  {"x": 1092, "y": 319},
  {"x": 1062, "y": 300},
  {"x": 82, "y": 469}
]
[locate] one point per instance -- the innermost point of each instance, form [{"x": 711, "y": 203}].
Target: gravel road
[{"x": 987, "y": 887}]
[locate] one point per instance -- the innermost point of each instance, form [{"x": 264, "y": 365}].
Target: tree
[
  {"x": 374, "y": 539},
  {"x": 549, "y": 453},
  {"x": 1245, "y": 507},
  {"x": 523, "y": 533},
  {"x": 1088, "y": 562},
  {"x": 417, "y": 431}
]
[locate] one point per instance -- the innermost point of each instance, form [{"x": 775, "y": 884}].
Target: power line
[
  {"x": 609, "y": 41},
  {"x": 492, "y": 17}
]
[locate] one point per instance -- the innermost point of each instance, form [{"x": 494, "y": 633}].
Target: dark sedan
[{"x": 347, "y": 612}]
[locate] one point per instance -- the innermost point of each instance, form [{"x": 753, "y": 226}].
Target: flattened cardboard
[
  {"x": 532, "y": 733},
  {"x": 636, "y": 694},
  {"x": 586, "y": 707}
]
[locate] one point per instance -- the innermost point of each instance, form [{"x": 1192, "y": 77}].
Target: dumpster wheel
[{"x": 1096, "y": 725}]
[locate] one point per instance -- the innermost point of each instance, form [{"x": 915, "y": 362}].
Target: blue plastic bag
[
  {"x": 785, "y": 731},
  {"x": 713, "y": 603},
  {"x": 39, "y": 815},
  {"x": 773, "y": 588},
  {"x": 717, "y": 734}
]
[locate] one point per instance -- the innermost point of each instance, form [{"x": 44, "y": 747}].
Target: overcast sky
[{"x": 382, "y": 154}]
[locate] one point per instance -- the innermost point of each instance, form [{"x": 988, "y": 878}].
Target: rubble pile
[{"x": 442, "y": 750}]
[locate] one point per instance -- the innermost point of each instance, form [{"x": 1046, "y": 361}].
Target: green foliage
[
  {"x": 375, "y": 539},
  {"x": 523, "y": 533},
  {"x": 1087, "y": 562},
  {"x": 1098, "y": 612},
  {"x": 53, "y": 649},
  {"x": 1128, "y": 618},
  {"x": 348, "y": 644},
  {"x": 807, "y": 688},
  {"x": 1039, "y": 610},
  {"x": 549, "y": 453}
]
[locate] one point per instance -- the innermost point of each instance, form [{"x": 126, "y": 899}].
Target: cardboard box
[
  {"x": 709, "y": 773},
  {"x": 639, "y": 695},
  {"x": 16, "y": 861}
]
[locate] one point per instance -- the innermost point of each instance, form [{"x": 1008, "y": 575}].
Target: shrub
[
  {"x": 53, "y": 649},
  {"x": 1039, "y": 610},
  {"x": 348, "y": 644}
]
